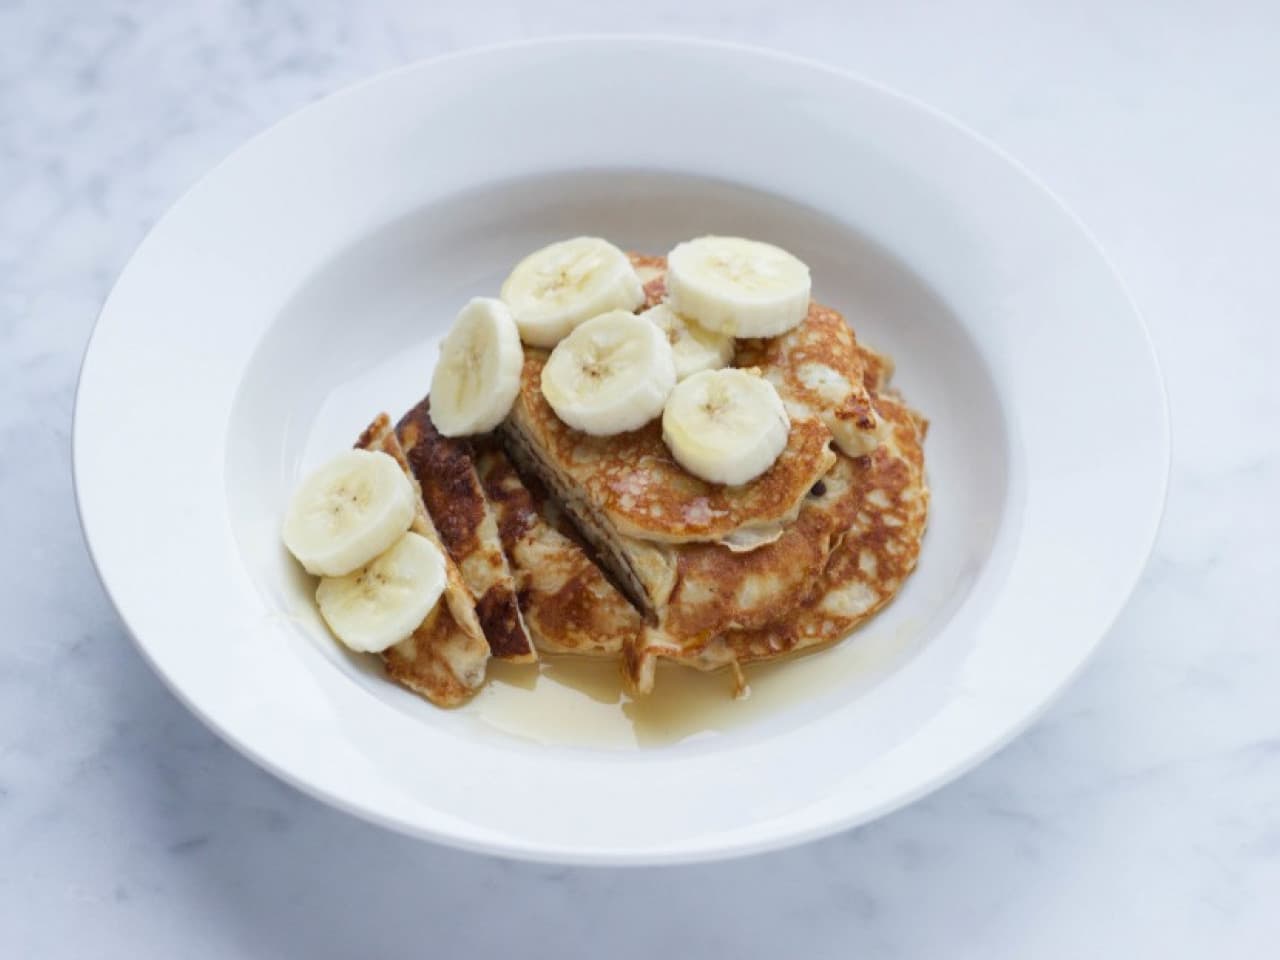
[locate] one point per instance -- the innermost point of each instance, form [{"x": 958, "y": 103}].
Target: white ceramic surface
[{"x": 346, "y": 234}]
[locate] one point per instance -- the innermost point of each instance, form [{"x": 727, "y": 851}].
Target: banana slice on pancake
[
  {"x": 725, "y": 426},
  {"x": 382, "y": 603},
  {"x": 347, "y": 512},
  {"x": 611, "y": 375},
  {"x": 744, "y": 288},
  {"x": 554, "y": 289},
  {"x": 694, "y": 347},
  {"x": 478, "y": 374}
]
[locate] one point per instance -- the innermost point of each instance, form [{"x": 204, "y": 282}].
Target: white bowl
[{"x": 301, "y": 286}]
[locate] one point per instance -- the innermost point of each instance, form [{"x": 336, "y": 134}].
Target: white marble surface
[{"x": 1141, "y": 817}]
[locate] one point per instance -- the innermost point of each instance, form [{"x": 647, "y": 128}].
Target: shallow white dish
[{"x": 300, "y": 288}]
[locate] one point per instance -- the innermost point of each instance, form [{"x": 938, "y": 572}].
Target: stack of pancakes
[{"x": 566, "y": 543}]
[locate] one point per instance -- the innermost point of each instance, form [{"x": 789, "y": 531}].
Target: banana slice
[
  {"x": 694, "y": 347},
  {"x": 478, "y": 375},
  {"x": 553, "y": 290},
  {"x": 611, "y": 375},
  {"x": 382, "y": 603},
  {"x": 725, "y": 426},
  {"x": 347, "y": 512},
  {"x": 740, "y": 287}
]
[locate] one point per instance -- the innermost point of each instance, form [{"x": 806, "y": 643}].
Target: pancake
[
  {"x": 853, "y": 538},
  {"x": 645, "y": 571},
  {"x": 819, "y": 372},
  {"x": 634, "y": 483},
  {"x": 456, "y": 503},
  {"x": 445, "y": 659},
  {"x": 568, "y": 604},
  {"x": 875, "y": 516}
]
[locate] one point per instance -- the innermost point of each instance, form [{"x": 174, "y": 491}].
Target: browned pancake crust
[
  {"x": 821, "y": 350},
  {"x": 875, "y": 529},
  {"x": 445, "y": 658},
  {"x": 633, "y": 480},
  {"x": 457, "y": 504},
  {"x": 872, "y": 558},
  {"x": 568, "y": 604},
  {"x": 718, "y": 590}
]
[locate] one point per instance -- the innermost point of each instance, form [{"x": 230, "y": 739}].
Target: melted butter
[{"x": 581, "y": 702}]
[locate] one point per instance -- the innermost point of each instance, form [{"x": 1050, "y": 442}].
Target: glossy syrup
[{"x": 581, "y": 702}]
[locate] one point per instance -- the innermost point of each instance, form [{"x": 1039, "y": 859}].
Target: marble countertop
[{"x": 1140, "y": 817}]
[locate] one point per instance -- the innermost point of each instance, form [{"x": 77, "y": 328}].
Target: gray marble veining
[{"x": 1140, "y": 817}]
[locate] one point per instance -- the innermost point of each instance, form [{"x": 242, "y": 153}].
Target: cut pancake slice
[
  {"x": 569, "y": 605},
  {"x": 646, "y": 571},
  {"x": 444, "y": 660},
  {"x": 457, "y": 505}
]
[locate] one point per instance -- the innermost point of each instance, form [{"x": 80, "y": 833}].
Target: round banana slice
[
  {"x": 725, "y": 426},
  {"x": 553, "y": 290},
  {"x": 611, "y": 375},
  {"x": 740, "y": 287},
  {"x": 694, "y": 347},
  {"x": 384, "y": 601},
  {"x": 478, "y": 375},
  {"x": 347, "y": 512}
]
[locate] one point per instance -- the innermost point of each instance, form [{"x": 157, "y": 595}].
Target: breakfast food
[
  {"x": 460, "y": 510},
  {"x": 631, "y": 457},
  {"x": 612, "y": 374},
  {"x": 445, "y": 656},
  {"x": 694, "y": 348},
  {"x": 741, "y": 287},
  {"x": 347, "y": 512},
  {"x": 569, "y": 605},
  {"x": 478, "y": 373},
  {"x": 725, "y": 426},
  {"x": 630, "y": 498},
  {"x": 385, "y": 600},
  {"x": 560, "y": 286}
]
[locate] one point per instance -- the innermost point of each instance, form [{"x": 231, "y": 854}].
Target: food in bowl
[{"x": 679, "y": 458}]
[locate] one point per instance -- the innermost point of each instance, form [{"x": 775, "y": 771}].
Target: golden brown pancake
[
  {"x": 444, "y": 660},
  {"x": 840, "y": 533},
  {"x": 874, "y": 520},
  {"x": 634, "y": 483},
  {"x": 456, "y": 502},
  {"x": 819, "y": 372},
  {"x": 568, "y": 604},
  {"x": 855, "y": 538}
]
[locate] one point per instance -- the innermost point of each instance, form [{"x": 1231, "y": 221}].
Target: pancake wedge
[
  {"x": 569, "y": 605},
  {"x": 456, "y": 502},
  {"x": 445, "y": 659}
]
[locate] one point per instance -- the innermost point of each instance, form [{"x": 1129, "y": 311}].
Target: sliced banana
[
  {"x": 694, "y": 347},
  {"x": 725, "y": 426},
  {"x": 611, "y": 375},
  {"x": 383, "y": 602},
  {"x": 740, "y": 287},
  {"x": 478, "y": 375},
  {"x": 347, "y": 512},
  {"x": 553, "y": 290}
]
